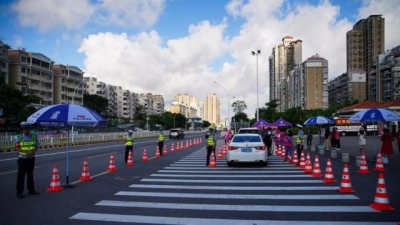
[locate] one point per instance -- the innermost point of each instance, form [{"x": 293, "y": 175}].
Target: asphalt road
[{"x": 179, "y": 189}]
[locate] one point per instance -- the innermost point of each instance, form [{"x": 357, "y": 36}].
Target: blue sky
[{"x": 181, "y": 46}]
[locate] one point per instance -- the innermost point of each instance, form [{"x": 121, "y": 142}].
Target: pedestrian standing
[
  {"x": 322, "y": 136},
  {"x": 26, "y": 144},
  {"x": 228, "y": 136},
  {"x": 288, "y": 143},
  {"x": 211, "y": 145},
  {"x": 387, "y": 138},
  {"x": 333, "y": 138},
  {"x": 267, "y": 139},
  {"x": 398, "y": 140},
  {"x": 160, "y": 141},
  {"x": 361, "y": 138},
  {"x": 128, "y": 140},
  {"x": 300, "y": 141},
  {"x": 309, "y": 137}
]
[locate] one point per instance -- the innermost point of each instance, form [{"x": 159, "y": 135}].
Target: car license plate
[{"x": 246, "y": 150}]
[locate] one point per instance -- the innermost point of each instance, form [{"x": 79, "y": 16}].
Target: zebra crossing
[{"x": 188, "y": 192}]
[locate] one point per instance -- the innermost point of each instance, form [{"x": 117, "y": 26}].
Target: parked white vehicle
[{"x": 247, "y": 148}]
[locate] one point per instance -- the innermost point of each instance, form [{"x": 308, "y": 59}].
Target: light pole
[
  {"x": 228, "y": 101},
  {"x": 256, "y": 54},
  {"x": 76, "y": 88},
  {"x": 174, "y": 119}
]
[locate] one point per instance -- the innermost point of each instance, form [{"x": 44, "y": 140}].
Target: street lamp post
[
  {"x": 256, "y": 54},
  {"x": 76, "y": 88},
  {"x": 228, "y": 101}
]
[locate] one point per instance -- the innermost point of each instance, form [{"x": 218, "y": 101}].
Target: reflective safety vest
[
  {"x": 161, "y": 137},
  {"x": 26, "y": 145},
  {"x": 210, "y": 140},
  {"x": 129, "y": 140}
]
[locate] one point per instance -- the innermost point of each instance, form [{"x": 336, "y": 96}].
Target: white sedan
[{"x": 247, "y": 148}]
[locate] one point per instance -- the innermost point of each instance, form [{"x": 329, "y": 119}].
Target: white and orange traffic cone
[
  {"x": 308, "y": 167},
  {"x": 220, "y": 156},
  {"x": 329, "y": 178},
  {"x": 212, "y": 160},
  {"x": 165, "y": 151},
  {"x": 317, "y": 169},
  {"x": 181, "y": 148},
  {"x": 144, "y": 156},
  {"x": 55, "y": 184},
  {"x": 172, "y": 147},
  {"x": 345, "y": 185},
  {"x": 157, "y": 152},
  {"x": 190, "y": 142},
  {"x": 85, "y": 171},
  {"x": 381, "y": 201},
  {"x": 111, "y": 165},
  {"x": 302, "y": 164},
  {"x": 379, "y": 163},
  {"x": 295, "y": 160},
  {"x": 130, "y": 162},
  {"x": 363, "y": 165}
]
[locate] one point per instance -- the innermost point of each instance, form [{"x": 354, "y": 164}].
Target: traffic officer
[
  {"x": 128, "y": 139},
  {"x": 211, "y": 144},
  {"x": 160, "y": 139},
  {"x": 26, "y": 144}
]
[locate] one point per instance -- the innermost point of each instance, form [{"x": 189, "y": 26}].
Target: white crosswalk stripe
[{"x": 193, "y": 191}]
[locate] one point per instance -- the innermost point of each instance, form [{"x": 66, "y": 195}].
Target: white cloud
[
  {"x": 17, "y": 40},
  {"x": 130, "y": 13},
  {"x": 53, "y": 14},
  {"x": 142, "y": 63}
]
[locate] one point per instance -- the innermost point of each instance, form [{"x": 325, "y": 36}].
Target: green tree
[
  {"x": 96, "y": 102},
  {"x": 206, "y": 124},
  {"x": 239, "y": 106}
]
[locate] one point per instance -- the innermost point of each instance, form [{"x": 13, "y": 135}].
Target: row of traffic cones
[{"x": 381, "y": 201}]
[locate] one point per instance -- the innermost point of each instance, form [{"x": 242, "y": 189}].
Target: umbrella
[
  {"x": 318, "y": 120},
  {"x": 66, "y": 115},
  {"x": 282, "y": 123},
  {"x": 261, "y": 123},
  {"x": 374, "y": 115}
]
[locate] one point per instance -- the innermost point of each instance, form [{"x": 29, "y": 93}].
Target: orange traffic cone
[
  {"x": 85, "y": 171},
  {"x": 308, "y": 166},
  {"x": 224, "y": 150},
  {"x": 157, "y": 152},
  {"x": 130, "y": 162},
  {"x": 295, "y": 158},
  {"x": 345, "y": 185},
  {"x": 363, "y": 165},
  {"x": 329, "y": 178},
  {"x": 317, "y": 170},
  {"x": 187, "y": 144},
  {"x": 212, "y": 160},
  {"x": 55, "y": 180},
  {"x": 111, "y": 165},
  {"x": 181, "y": 148},
  {"x": 379, "y": 163},
  {"x": 144, "y": 156},
  {"x": 190, "y": 142},
  {"x": 172, "y": 147},
  {"x": 220, "y": 156},
  {"x": 165, "y": 151},
  {"x": 302, "y": 164},
  {"x": 381, "y": 201}
]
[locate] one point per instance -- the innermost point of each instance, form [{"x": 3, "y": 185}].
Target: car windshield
[
  {"x": 249, "y": 131},
  {"x": 174, "y": 131},
  {"x": 246, "y": 139}
]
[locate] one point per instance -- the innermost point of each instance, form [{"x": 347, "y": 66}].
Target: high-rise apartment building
[
  {"x": 385, "y": 76},
  {"x": 69, "y": 85},
  {"x": 32, "y": 73},
  {"x": 187, "y": 105},
  {"x": 282, "y": 61},
  {"x": 4, "y": 62},
  {"x": 211, "y": 107},
  {"x": 347, "y": 87},
  {"x": 316, "y": 83},
  {"x": 364, "y": 43}
]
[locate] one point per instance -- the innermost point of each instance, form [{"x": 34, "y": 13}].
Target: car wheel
[
  {"x": 264, "y": 163},
  {"x": 229, "y": 163}
]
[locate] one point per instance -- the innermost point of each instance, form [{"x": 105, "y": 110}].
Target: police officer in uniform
[
  {"x": 211, "y": 144},
  {"x": 128, "y": 139},
  {"x": 160, "y": 142},
  {"x": 26, "y": 144}
]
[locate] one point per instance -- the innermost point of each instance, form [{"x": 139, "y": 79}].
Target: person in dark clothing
[
  {"x": 309, "y": 137},
  {"x": 394, "y": 129},
  {"x": 267, "y": 139}
]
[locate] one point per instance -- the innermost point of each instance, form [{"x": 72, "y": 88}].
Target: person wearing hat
[
  {"x": 160, "y": 141},
  {"x": 211, "y": 144},
  {"x": 26, "y": 144},
  {"x": 128, "y": 139},
  {"x": 361, "y": 138}
]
